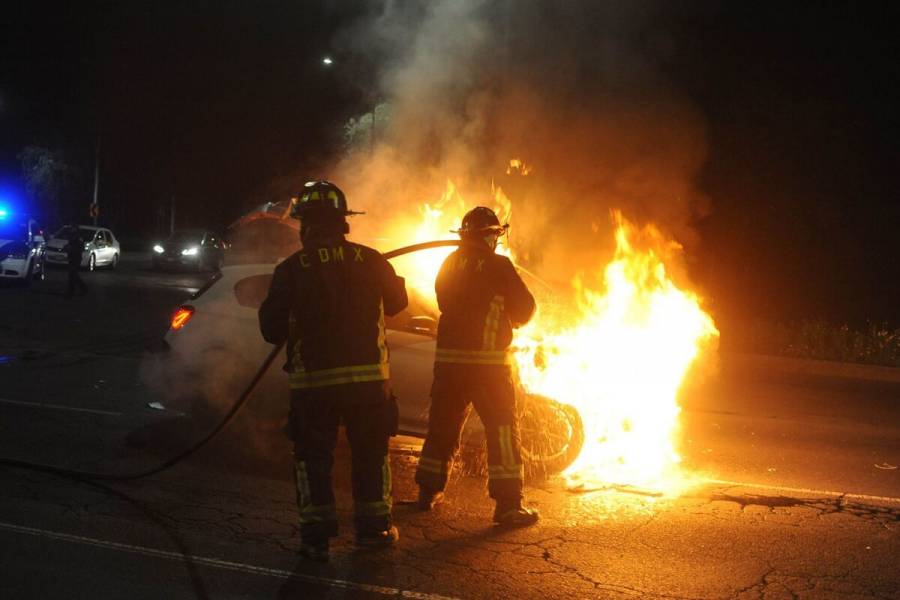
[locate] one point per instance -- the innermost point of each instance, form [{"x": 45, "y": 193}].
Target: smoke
[{"x": 574, "y": 89}]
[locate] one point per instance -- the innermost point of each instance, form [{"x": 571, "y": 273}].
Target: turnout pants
[
  {"x": 369, "y": 414},
  {"x": 490, "y": 389},
  {"x": 76, "y": 284}
]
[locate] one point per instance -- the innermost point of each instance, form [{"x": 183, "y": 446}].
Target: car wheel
[
  {"x": 552, "y": 435},
  {"x": 114, "y": 262},
  {"x": 92, "y": 262}
]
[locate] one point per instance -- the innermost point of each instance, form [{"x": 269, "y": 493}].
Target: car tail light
[{"x": 182, "y": 316}]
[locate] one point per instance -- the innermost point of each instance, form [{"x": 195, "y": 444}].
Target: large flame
[
  {"x": 619, "y": 355},
  {"x": 621, "y": 364}
]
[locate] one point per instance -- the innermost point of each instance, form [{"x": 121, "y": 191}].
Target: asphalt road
[{"x": 795, "y": 497}]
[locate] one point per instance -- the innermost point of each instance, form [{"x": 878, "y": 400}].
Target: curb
[{"x": 820, "y": 368}]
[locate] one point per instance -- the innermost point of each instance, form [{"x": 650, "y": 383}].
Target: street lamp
[{"x": 327, "y": 61}]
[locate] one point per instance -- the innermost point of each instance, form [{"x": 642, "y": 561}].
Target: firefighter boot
[
  {"x": 428, "y": 498},
  {"x": 315, "y": 550},
  {"x": 377, "y": 538},
  {"x": 314, "y": 539},
  {"x": 514, "y": 514}
]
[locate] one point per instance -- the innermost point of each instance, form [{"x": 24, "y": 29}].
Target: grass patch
[{"x": 874, "y": 344}]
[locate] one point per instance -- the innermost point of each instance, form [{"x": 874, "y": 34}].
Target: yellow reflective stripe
[
  {"x": 506, "y": 453},
  {"x": 506, "y": 472},
  {"x": 325, "y": 373},
  {"x": 309, "y": 512},
  {"x": 433, "y": 465},
  {"x": 382, "y": 336},
  {"x": 473, "y": 357},
  {"x": 313, "y": 509},
  {"x": 509, "y": 469},
  {"x": 317, "y": 514},
  {"x": 303, "y": 497},
  {"x": 296, "y": 361},
  {"x": 372, "y": 509},
  {"x": 386, "y": 489},
  {"x": 300, "y": 378},
  {"x": 352, "y": 374},
  {"x": 492, "y": 323},
  {"x": 356, "y": 378}
]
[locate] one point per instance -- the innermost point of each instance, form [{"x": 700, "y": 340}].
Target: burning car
[
  {"x": 599, "y": 368},
  {"x": 213, "y": 347}
]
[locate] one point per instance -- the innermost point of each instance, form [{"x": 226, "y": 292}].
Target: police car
[{"x": 21, "y": 247}]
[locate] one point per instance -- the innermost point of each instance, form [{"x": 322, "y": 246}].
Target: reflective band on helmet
[{"x": 473, "y": 357}]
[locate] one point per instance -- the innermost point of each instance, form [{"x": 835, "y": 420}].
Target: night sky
[{"x": 212, "y": 104}]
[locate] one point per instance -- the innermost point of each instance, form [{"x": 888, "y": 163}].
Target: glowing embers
[
  {"x": 518, "y": 167},
  {"x": 621, "y": 364},
  {"x": 182, "y": 315}
]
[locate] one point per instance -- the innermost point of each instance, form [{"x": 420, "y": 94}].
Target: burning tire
[
  {"x": 551, "y": 432},
  {"x": 552, "y": 435}
]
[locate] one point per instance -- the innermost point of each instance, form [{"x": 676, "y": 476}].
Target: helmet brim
[{"x": 498, "y": 229}]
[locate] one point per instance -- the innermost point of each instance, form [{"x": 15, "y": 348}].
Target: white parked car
[
  {"x": 214, "y": 347},
  {"x": 21, "y": 248},
  {"x": 101, "y": 248}
]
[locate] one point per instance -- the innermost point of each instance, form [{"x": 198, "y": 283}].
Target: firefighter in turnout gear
[
  {"x": 482, "y": 299},
  {"x": 329, "y": 301}
]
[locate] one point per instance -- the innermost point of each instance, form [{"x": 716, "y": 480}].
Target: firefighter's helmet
[
  {"x": 480, "y": 221},
  {"x": 320, "y": 198}
]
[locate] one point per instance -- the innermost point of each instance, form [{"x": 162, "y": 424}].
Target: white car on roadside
[
  {"x": 213, "y": 348},
  {"x": 101, "y": 248},
  {"x": 21, "y": 248}
]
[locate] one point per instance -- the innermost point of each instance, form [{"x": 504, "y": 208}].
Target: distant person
[
  {"x": 328, "y": 301},
  {"x": 482, "y": 299},
  {"x": 74, "y": 251}
]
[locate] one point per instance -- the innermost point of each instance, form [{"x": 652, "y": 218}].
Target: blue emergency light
[
  {"x": 9, "y": 198},
  {"x": 6, "y": 205}
]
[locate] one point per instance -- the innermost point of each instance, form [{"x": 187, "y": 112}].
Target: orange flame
[
  {"x": 518, "y": 167},
  {"x": 437, "y": 221},
  {"x": 619, "y": 356},
  {"x": 622, "y": 363}
]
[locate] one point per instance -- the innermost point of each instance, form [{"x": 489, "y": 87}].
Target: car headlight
[
  {"x": 190, "y": 251},
  {"x": 158, "y": 249}
]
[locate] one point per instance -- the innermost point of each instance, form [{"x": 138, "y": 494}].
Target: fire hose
[{"x": 226, "y": 419}]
